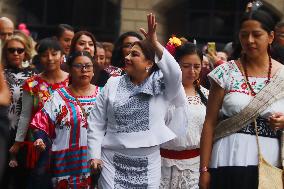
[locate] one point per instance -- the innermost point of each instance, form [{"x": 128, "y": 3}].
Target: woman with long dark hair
[
  {"x": 229, "y": 149},
  {"x": 180, "y": 156}
]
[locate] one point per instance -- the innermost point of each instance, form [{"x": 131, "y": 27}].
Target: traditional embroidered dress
[
  {"x": 127, "y": 126},
  {"x": 63, "y": 121},
  {"x": 36, "y": 92},
  {"x": 234, "y": 158},
  {"x": 180, "y": 156},
  {"x": 41, "y": 90}
]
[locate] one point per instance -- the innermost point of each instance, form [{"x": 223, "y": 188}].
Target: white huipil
[
  {"x": 187, "y": 122},
  {"x": 127, "y": 126},
  {"x": 240, "y": 149}
]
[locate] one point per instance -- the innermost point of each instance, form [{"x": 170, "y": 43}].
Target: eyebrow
[{"x": 81, "y": 40}]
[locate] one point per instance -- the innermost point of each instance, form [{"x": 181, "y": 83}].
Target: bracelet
[{"x": 203, "y": 169}]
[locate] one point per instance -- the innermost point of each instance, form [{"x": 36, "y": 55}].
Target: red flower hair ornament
[{"x": 172, "y": 44}]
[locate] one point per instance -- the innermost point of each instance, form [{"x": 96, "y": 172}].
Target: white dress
[
  {"x": 187, "y": 123},
  {"x": 240, "y": 149},
  {"x": 127, "y": 126}
]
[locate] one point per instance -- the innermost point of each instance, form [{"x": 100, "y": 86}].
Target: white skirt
[
  {"x": 131, "y": 168},
  {"x": 241, "y": 150},
  {"x": 180, "y": 174}
]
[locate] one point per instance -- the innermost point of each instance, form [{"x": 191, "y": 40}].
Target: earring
[{"x": 147, "y": 69}]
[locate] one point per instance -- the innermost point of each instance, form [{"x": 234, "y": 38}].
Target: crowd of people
[{"x": 80, "y": 113}]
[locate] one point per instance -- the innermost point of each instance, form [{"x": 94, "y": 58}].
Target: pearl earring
[{"x": 147, "y": 69}]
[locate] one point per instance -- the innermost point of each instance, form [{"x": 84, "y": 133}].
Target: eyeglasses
[
  {"x": 80, "y": 66},
  {"x": 18, "y": 50}
]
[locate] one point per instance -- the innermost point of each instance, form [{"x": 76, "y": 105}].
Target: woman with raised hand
[
  {"x": 63, "y": 120},
  {"x": 127, "y": 123},
  {"x": 243, "y": 89}
]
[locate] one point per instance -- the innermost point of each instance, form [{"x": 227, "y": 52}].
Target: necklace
[{"x": 246, "y": 75}]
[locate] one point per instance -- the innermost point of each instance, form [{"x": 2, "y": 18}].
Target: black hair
[
  {"x": 76, "y": 38},
  {"x": 61, "y": 28},
  {"x": 75, "y": 54},
  {"x": 263, "y": 17},
  {"x": 149, "y": 53},
  {"x": 280, "y": 24},
  {"x": 48, "y": 43},
  {"x": 117, "y": 58},
  {"x": 191, "y": 49},
  {"x": 187, "y": 49}
]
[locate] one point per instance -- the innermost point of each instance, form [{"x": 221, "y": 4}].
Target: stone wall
[
  {"x": 9, "y": 9},
  {"x": 133, "y": 15}
]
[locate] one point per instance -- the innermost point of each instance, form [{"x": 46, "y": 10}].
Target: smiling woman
[
  {"x": 127, "y": 124},
  {"x": 37, "y": 90}
]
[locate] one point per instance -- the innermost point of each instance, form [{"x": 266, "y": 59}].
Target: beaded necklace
[{"x": 246, "y": 74}]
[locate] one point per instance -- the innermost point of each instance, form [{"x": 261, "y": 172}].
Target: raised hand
[{"x": 151, "y": 34}]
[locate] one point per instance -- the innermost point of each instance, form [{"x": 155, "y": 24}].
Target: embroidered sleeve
[
  {"x": 29, "y": 84},
  {"x": 45, "y": 119},
  {"x": 221, "y": 74}
]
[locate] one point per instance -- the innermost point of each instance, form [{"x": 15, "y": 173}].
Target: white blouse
[
  {"x": 187, "y": 123},
  {"x": 240, "y": 149},
  {"x": 131, "y": 116}
]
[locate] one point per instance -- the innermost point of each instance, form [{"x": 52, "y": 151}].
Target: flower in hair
[{"x": 172, "y": 44}]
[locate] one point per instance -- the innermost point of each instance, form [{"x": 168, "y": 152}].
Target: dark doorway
[
  {"x": 206, "y": 20},
  {"x": 101, "y": 17}
]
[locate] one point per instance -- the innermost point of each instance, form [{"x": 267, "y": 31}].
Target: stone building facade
[{"x": 132, "y": 12}]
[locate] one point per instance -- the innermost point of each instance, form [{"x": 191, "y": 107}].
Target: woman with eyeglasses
[
  {"x": 37, "y": 90},
  {"x": 63, "y": 120},
  {"x": 15, "y": 51}
]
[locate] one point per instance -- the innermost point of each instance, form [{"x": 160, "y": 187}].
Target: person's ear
[{"x": 271, "y": 37}]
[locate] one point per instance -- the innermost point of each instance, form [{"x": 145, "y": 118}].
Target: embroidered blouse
[
  {"x": 62, "y": 119},
  {"x": 132, "y": 116},
  {"x": 239, "y": 149},
  {"x": 36, "y": 91}
]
